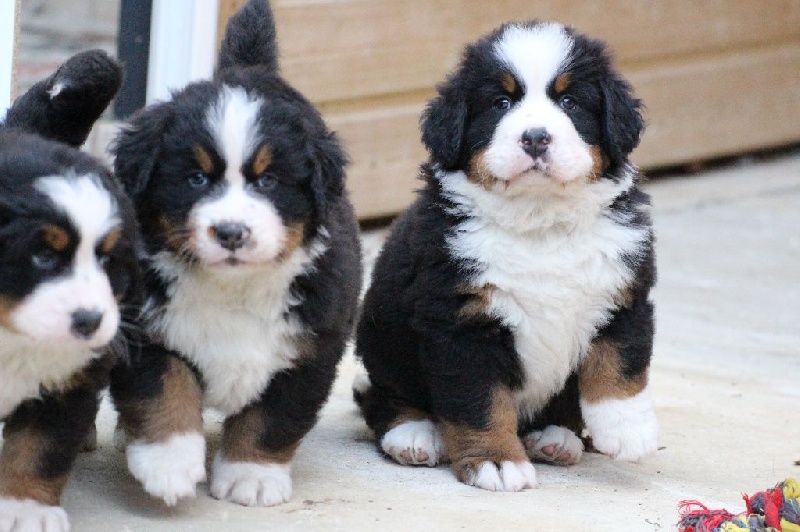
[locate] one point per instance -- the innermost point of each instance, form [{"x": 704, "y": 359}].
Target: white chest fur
[
  {"x": 234, "y": 327},
  {"x": 25, "y": 366},
  {"x": 555, "y": 272}
]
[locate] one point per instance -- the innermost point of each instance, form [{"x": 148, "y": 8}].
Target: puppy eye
[
  {"x": 198, "y": 180},
  {"x": 45, "y": 260},
  {"x": 567, "y": 102},
  {"x": 503, "y": 103},
  {"x": 264, "y": 181}
]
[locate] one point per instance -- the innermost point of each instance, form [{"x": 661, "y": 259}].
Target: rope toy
[{"x": 773, "y": 510}]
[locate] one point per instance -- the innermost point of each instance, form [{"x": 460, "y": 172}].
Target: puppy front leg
[
  {"x": 41, "y": 441},
  {"x": 614, "y": 397},
  {"x": 160, "y": 415},
  {"x": 253, "y": 465}
]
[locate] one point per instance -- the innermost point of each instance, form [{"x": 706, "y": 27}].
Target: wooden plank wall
[{"x": 718, "y": 77}]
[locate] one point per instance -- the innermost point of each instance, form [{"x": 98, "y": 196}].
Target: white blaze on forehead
[
  {"x": 535, "y": 54},
  {"x": 232, "y": 122},
  {"x": 89, "y": 206}
]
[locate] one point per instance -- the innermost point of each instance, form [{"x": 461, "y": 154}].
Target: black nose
[
  {"x": 86, "y": 322},
  {"x": 231, "y": 236},
  {"x": 535, "y": 141}
]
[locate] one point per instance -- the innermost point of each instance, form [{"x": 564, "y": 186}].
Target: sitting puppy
[
  {"x": 252, "y": 276},
  {"x": 509, "y": 306},
  {"x": 67, "y": 267}
]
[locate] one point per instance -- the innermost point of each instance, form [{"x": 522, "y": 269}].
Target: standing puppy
[
  {"x": 252, "y": 275},
  {"x": 510, "y": 306},
  {"x": 68, "y": 268}
]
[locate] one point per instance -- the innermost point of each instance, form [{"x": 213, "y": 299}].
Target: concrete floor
[{"x": 726, "y": 379}]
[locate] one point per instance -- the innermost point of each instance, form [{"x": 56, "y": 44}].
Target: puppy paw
[
  {"x": 251, "y": 484},
  {"x": 554, "y": 444},
  {"x": 169, "y": 470},
  {"x": 31, "y": 516},
  {"x": 89, "y": 79},
  {"x": 624, "y": 429},
  {"x": 507, "y": 476},
  {"x": 414, "y": 443}
]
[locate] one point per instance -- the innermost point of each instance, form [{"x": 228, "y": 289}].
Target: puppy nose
[
  {"x": 535, "y": 141},
  {"x": 231, "y": 236},
  {"x": 86, "y": 322}
]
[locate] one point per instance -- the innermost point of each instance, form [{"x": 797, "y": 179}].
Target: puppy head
[
  {"x": 533, "y": 104},
  {"x": 66, "y": 244},
  {"x": 231, "y": 175}
]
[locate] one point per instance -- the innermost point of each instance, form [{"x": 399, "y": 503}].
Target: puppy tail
[
  {"x": 250, "y": 38},
  {"x": 65, "y": 106}
]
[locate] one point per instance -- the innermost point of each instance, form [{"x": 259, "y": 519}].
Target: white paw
[
  {"x": 31, "y": 516},
  {"x": 414, "y": 443},
  {"x": 169, "y": 470},
  {"x": 251, "y": 484},
  {"x": 510, "y": 476},
  {"x": 624, "y": 429},
  {"x": 554, "y": 444}
]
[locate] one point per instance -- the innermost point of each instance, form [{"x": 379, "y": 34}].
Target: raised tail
[{"x": 250, "y": 38}]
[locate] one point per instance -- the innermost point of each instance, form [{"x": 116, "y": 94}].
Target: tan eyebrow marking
[
  {"x": 509, "y": 83},
  {"x": 111, "y": 239},
  {"x": 56, "y": 237},
  {"x": 203, "y": 159},
  {"x": 262, "y": 160},
  {"x": 562, "y": 82}
]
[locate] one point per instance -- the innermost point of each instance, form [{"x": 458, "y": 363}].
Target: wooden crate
[{"x": 718, "y": 77}]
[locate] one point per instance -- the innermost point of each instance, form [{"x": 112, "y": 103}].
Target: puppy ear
[
  {"x": 329, "y": 162},
  {"x": 137, "y": 148},
  {"x": 444, "y": 123},
  {"x": 250, "y": 38},
  {"x": 623, "y": 122},
  {"x": 65, "y": 106}
]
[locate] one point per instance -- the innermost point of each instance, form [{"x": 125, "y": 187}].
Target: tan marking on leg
[
  {"x": 498, "y": 442},
  {"x": 19, "y": 461},
  {"x": 601, "y": 376},
  {"x": 405, "y": 415},
  {"x": 562, "y": 82},
  {"x": 509, "y": 83},
  {"x": 599, "y": 163},
  {"x": 262, "y": 160},
  {"x": 241, "y": 434},
  {"x": 295, "y": 234},
  {"x": 177, "y": 410},
  {"x": 55, "y": 237},
  {"x": 479, "y": 303},
  {"x": 478, "y": 173},
  {"x": 203, "y": 158}
]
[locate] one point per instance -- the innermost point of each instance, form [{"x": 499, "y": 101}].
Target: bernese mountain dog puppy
[
  {"x": 68, "y": 268},
  {"x": 509, "y": 307},
  {"x": 252, "y": 275}
]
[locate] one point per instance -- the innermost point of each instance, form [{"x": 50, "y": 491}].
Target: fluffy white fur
[
  {"x": 568, "y": 157},
  {"x": 625, "y": 429},
  {"x": 232, "y": 324},
  {"x": 251, "y": 484},
  {"x": 169, "y": 470},
  {"x": 46, "y": 314},
  {"x": 233, "y": 123},
  {"x": 510, "y": 476},
  {"x": 27, "y": 365},
  {"x": 563, "y": 441},
  {"x": 31, "y": 516},
  {"x": 555, "y": 260},
  {"x": 414, "y": 443}
]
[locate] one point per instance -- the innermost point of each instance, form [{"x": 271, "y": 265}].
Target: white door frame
[
  {"x": 183, "y": 42},
  {"x": 8, "y": 33}
]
